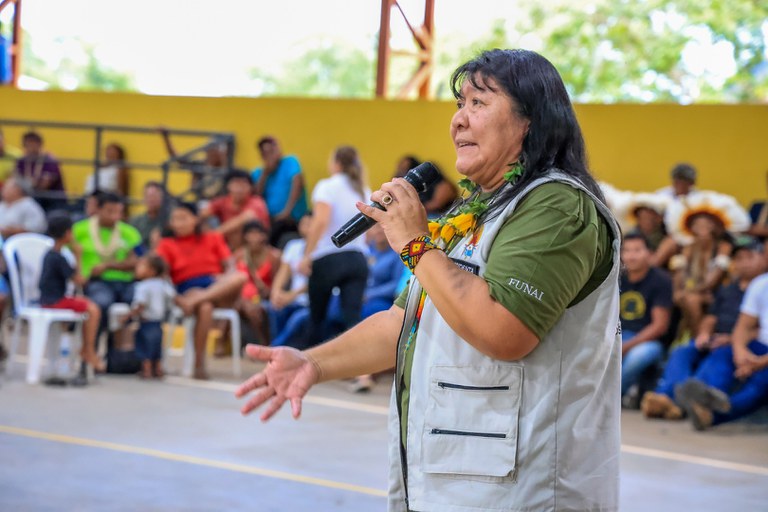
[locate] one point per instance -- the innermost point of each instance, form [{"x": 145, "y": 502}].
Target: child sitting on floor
[
  {"x": 55, "y": 274},
  {"x": 151, "y": 299}
]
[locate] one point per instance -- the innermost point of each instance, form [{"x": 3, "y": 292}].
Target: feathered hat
[
  {"x": 656, "y": 202},
  {"x": 726, "y": 211}
]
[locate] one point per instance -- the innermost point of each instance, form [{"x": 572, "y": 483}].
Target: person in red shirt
[
  {"x": 202, "y": 269},
  {"x": 259, "y": 261},
  {"x": 236, "y": 208}
]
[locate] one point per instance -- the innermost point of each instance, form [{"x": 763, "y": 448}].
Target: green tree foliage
[
  {"x": 330, "y": 70},
  {"x": 96, "y": 77},
  {"x": 607, "y": 51},
  {"x": 654, "y": 50},
  {"x": 450, "y": 52},
  {"x": 78, "y": 69}
]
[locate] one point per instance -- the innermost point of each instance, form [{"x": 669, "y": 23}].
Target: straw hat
[{"x": 653, "y": 201}]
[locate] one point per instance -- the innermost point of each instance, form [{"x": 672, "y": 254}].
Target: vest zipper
[
  {"x": 448, "y": 385},
  {"x": 444, "y": 432}
]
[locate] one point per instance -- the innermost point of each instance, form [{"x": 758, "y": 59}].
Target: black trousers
[{"x": 347, "y": 270}]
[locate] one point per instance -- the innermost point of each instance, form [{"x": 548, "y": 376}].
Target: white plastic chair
[
  {"x": 24, "y": 255},
  {"x": 188, "y": 322},
  {"x": 116, "y": 312}
]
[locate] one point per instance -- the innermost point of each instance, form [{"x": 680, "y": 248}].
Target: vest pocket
[{"x": 471, "y": 421}]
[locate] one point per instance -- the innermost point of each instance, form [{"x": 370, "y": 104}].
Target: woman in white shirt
[
  {"x": 113, "y": 174},
  {"x": 328, "y": 266}
]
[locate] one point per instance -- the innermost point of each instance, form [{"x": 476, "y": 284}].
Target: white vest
[{"x": 538, "y": 434}]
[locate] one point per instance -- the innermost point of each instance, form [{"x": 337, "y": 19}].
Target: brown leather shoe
[{"x": 657, "y": 405}]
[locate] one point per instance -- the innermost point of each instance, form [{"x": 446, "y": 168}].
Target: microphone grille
[{"x": 423, "y": 176}]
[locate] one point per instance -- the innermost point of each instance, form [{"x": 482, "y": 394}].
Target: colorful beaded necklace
[
  {"x": 451, "y": 228},
  {"x": 454, "y": 225}
]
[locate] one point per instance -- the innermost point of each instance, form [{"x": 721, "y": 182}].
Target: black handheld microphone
[{"x": 422, "y": 177}]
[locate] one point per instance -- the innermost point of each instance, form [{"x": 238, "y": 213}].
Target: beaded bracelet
[{"x": 415, "y": 249}]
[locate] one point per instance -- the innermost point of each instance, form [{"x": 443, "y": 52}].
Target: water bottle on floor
[{"x": 63, "y": 365}]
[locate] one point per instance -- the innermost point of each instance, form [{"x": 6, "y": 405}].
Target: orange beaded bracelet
[{"x": 415, "y": 249}]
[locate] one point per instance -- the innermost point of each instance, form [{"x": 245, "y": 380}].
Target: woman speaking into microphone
[{"x": 507, "y": 358}]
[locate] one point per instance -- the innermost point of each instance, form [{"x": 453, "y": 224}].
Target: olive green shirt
[
  {"x": 555, "y": 241},
  {"x": 145, "y": 225}
]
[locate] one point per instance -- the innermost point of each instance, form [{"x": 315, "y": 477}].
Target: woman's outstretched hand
[{"x": 288, "y": 376}]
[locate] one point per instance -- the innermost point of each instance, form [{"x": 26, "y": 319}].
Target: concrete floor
[{"x": 180, "y": 445}]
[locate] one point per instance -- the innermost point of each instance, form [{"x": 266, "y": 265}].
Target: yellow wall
[{"x": 631, "y": 146}]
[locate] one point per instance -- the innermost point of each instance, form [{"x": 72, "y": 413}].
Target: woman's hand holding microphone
[{"x": 405, "y": 217}]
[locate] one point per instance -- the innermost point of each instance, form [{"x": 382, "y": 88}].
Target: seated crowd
[
  {"x": 694, "y": 307},
  {"x": 694, "y": 290},
  {"x": 244, "y": 249}
]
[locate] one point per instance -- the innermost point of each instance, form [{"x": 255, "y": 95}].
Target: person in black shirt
[
  {"x": 54, "y": 277},
  {"x": 646, "y": 303},
  {"x": 714, "y": 332}
]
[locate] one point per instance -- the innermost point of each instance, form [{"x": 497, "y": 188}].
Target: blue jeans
[
  {"x": 639, "y": 359},
  {"x": 289, "y": 325},
  {"x": 104, "y": 294},
  {"x": 717, "y": 371},
  {"x": 149, "y": 341},
  {"x": 681, "y": 365},
  {"x": 295, "y": 333}
]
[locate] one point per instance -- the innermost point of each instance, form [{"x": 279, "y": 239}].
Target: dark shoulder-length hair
[
  {"x": 538, "y": 94},
  {"x": 167, "y": 232}
]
